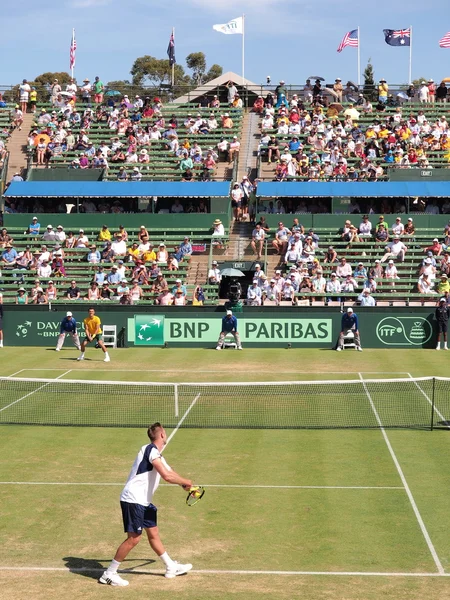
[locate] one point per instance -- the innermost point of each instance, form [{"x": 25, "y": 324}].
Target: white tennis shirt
[{"x": 143, "y": 480}]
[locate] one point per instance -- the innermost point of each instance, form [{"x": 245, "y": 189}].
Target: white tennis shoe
[
  {"x": 113, "y": 579},
  {"x": 106, "y": 359},
  {"x": 80, "y": 357},
  {"x": 177, "y": 569},
  {"x": 218, "y": 348}
]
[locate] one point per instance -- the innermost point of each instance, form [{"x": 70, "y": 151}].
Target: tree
[
  {"x": 369, "y": 81},
  {"x": 418, "y": 82},
  {"x": 214, "y": 71},
  {"x": 148, "y": 69},
  {"x": 48, "y": 78},
  {"x": 196, "y": 61}
]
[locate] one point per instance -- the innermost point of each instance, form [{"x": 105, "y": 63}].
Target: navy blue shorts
[{"x": 137, "y": 517}]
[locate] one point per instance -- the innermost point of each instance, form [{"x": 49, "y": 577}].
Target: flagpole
[
  {"x": 359, "y": 59},
  {"x": 173, "y": 64},
  {"x": 410, "y": 54},
  {"x": 243, "y": 50}
]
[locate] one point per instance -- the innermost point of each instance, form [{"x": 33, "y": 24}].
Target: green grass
[{"x": 332, "y": 526}]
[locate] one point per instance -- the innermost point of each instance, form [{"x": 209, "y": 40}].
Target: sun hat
[{"x": 349, "y": 309}]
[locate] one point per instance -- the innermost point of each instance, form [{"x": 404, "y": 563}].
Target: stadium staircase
[
  {"x": 17, "y": 146},
  {"x": 248, "y": 151}
]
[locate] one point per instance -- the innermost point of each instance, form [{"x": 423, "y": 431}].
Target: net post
[
  {"x": 175, "y": 394},
  {"x": 432, "y": 404}
]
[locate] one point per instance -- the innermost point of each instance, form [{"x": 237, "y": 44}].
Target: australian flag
[
  {"x": 397, "y": 37},
  {"x": 171, "y": 50}
]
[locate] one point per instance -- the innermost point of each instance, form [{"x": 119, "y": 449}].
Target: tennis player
[
  {"x": 93, "y": 330},
  {"x": 68, "y": 325},
  {"x": 139, "y": 513}
]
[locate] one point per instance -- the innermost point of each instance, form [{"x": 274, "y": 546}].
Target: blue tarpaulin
[
  {"x": 379, "y": 189},
  {"x": 117, "y": 189}
]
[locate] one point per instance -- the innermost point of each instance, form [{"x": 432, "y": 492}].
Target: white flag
[{"x": 234, "y": 26}]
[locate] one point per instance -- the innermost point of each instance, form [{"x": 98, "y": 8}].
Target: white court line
[
  {"x": 232, "y": 572},
  {"x": 425, "y": 533},
  {"x": 219, "y": 485},
  {"x": 17, "y": 372},
  {"x": 217, "y": 371},
  {"x": 182, "y": 419},
  {"x": 34, "y": 391},
  {"x": 430, "y": 402}
]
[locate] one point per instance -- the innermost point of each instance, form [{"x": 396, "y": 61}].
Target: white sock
[
  {"x": 166, "y": 559},
  {"x": 113, "y": 566},
  {"x": 1, "y": 343},
  {"x": 82, "y": 354},
  {"x": 445, "y": 344},
  {"x": 106, "y": 355},
  {"x": 438, "y": 345}
]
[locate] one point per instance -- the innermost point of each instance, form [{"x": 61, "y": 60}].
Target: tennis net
[{"x": 371, "y": 403}]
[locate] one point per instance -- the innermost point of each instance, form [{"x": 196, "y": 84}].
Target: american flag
[
  {"x": 445, "y": 41},
  {"x": 349, "y": 39},
  {"x": 73, "y": 47}
]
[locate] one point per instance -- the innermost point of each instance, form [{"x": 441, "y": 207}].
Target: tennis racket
[{"x": 196, "y": 493}]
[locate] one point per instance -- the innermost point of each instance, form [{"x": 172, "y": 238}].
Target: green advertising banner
[
  {"x": 156, "y": 330},
  {"x": 379, "y": 327}
]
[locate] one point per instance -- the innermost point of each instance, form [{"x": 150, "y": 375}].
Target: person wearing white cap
[
  {"x": 68, "y": 326},
  {"x": 365, "y": 299},
  {"x": 49, "y": 234},
  {"x": 214, "y": 274},
  {"x": 254, "y": 294},
  {"x": 34, "y": 227},
  {"x": 349, "y": 322},
  {"x": 425, "y": 284},
  {"x": 395, "y": 249},
  {"x": 229, "y": 326},
  {"x": 82, "y": 240},
  {"x": 259, "y": 275}
]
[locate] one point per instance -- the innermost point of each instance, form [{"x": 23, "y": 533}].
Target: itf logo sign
[
  {"x": 404, "y": 331},
  {"x": 149, "y": 330}
]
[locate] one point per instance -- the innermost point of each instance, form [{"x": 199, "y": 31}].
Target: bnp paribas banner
[{"x": 157, "y": 330}]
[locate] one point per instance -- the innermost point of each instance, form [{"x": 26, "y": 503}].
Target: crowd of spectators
[
  {"x": 130, "y": 126},
  {"x": 315, "y": 140},
  {"x": 120, "y": 270},
  {"x": 305, "y": 262}
]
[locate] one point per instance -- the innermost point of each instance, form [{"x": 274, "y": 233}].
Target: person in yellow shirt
[
  {"x": 383, "y": 90},
  {"x": 133, "y": 252},
  {"x": 371, "y": 133},
  {"x": 32, "y": 100},
  {"x": 149, "y": 255},
  {"x": 104, "y": 235},
  {"x": 383, "y": 133},
  {"x": 443, "y": 285},
  {"x": 93, "y": 331}
]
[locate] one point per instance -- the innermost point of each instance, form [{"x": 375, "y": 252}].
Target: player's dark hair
[
  {"x": 91, "y": 308},
  {"x": 153, "y": 431}
]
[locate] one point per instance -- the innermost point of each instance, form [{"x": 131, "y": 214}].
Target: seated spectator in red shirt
[
  {"x": 258, "y": 105},
  {"x": 435, "y": 248}
]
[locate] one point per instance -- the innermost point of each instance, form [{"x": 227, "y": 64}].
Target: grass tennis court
[{"x": 290, "y": 513}]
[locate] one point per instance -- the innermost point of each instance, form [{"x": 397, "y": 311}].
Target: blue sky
[{"x": 289, "y": 39}]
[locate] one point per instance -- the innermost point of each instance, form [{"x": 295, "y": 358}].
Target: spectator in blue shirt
[
  {"x": 34, "y": 227},
  {"x": 229, "y": 325},
  {"x": 100, "y": 276},
  {"x": 9, "y": 257},
  {"x": 113, "y": 275},
  {"x": 179, "y": 286},
  {"x": 349, "y": 322},
  {"x": 185, "y": 249}
]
